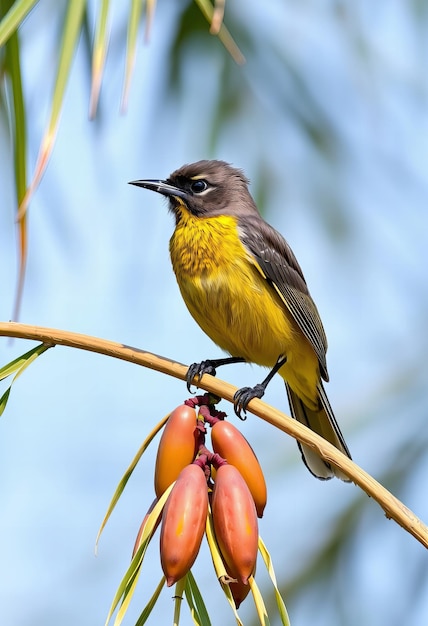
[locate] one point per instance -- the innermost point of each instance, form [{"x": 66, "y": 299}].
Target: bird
[{"x": 242, "y": 284}]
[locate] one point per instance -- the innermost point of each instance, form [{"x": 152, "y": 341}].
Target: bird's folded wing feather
[{"x": 275, "y": 261}]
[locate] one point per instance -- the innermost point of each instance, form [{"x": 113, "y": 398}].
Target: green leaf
[
  {"x": 150, "y": 14},
  {"x": 3, "y": 400},
  {"x": 218, "y": 563},
  {"x": 13, "y": 69},
  {"x": 223, "y": 34},
  {"x": 195, "y": 601},
  {"x": 18, "y": 365},
  {"x": 19, "y": 133},
  {"x": 71, "y": 32},
  {"x": 127, "y": 587},
  {"x": 150, "y": 604},
  {"x": 258, "y": 601},
  {"x": 13, "y": 18},
  {"x": 217, "y": 559},
  {"x": 126, "y": 583},
  {"x": 20, "y": 361},
  {"x": 127, "y": 475},
  {"x": 72, "y": 27},
  {"x": 269, "y": 566},
  {"x": 99, "y": 55},
  {"x": 178, "y": 599},
  {"x": 131, "y": 47}
]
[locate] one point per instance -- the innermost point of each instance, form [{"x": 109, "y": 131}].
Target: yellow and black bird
[{"x": 244, "y": 287}]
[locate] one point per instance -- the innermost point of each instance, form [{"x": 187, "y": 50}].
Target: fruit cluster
[{"x": 225, "y": 488}]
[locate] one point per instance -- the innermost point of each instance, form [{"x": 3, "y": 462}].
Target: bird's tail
[{"x": 323, "y": 422}]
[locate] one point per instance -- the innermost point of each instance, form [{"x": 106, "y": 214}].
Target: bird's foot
[
  {"x": 197, "y": 370},
  {"x": 243, "y": 396}
]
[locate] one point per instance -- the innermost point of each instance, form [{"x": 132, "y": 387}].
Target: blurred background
[{"x": 329, "y": 119}]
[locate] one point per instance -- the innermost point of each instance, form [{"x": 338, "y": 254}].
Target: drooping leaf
[
  {"x": 71, "y": 32},
  {"x": 150, "y": 13},
  {"x": 127, "y": 475},
  {"x": 19, "y": 138},
  {"x": 4, "y": 399},
  {"x": 259, "y": 602},
  {"x": 218, "y": 563},
  {"x": 17, "y": 366},
  {"x": 20, "y": 361},
  {"x": 12, "y": 17},
  {"x": 269, "y": 566},
  {"x": 131, "y": 49},
  {"x": 221, "y": 31},
  {"x": 145, "y": 614},
  {"x": 195, "y": 601},
  {"x": 178, "y": 598},
  {"x": 127, "y": 587},
  {"x": 99, "y": 54}
]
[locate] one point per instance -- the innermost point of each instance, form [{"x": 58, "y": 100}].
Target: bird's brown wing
[{"x": 276, "y": 262}]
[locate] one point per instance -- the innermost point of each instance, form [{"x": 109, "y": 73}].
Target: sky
[{"x": 98, "y": 264}]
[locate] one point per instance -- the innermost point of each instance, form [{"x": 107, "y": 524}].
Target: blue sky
[{"x": 98, "y": 264}]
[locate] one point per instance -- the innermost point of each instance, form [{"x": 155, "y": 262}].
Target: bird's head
[{"x": 204, "y": 189}]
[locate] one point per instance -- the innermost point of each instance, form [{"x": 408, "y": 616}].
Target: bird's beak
[{"x": 160, "y": 186}]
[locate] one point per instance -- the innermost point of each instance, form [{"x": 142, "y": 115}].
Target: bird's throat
[{"x": 196, "y": 242}]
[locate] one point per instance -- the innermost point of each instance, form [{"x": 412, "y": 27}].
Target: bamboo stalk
[{"x": 393, "y": 508}]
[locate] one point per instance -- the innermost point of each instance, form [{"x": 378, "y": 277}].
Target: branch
[{"x": 394, "y": 509}]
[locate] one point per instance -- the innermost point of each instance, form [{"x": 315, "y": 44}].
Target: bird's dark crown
[{"x": 211, "y": 188}]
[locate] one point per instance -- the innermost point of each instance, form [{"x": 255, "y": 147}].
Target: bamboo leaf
[
  {"x": 258, "y": 601},
  {"x": 195, "y": 601},
  {"x": 131, "y": 50},
  {"x": 193, "y": 611},
  {"x": 19, "y": 133},
  {"x": 72, "y": 28},
  {"x": 127, "y": 475},
  {"x": 36, "y": 352},
  {"x": 126, "y": 584},
  {"x": 4, "y": 399},
  {"x": 18, "y": 365},
  {"x": 13, "y": 18},
  {"x": 217, "y": 559},
  {"x": 127, "y": 597},
  {"x": 178, "y": 599},
  {"x": 150, "y": 14},
  {"x": 223, "y": 34},
  {"x": 99, "y": 56},
  {"x": 150, "y": 604},
  {"x": 218, "y": 563},
  {"x": 217, "y": 18},
  {"x": 285, "y": 620},
  {"x": 131, "y": 573},
  {"x": 19, "y": 362}
]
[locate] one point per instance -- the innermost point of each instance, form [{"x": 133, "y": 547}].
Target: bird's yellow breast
[
  {"x": 204, "y": 247},
  {"x": 232, "y": 302}
]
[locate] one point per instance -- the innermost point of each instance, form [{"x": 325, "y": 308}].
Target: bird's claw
[
  {"x": 197, "y": 370},
  {"x": 243, "y": 396}
]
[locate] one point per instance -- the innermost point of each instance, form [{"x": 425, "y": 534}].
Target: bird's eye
[{"x": 198, "y": 186}]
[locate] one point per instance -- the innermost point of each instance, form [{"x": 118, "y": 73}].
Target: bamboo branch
[{"x": 393, "y": 508}]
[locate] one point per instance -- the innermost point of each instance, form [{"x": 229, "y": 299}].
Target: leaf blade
[
  {"x": 72, "y": 27},
  {"x": 197, "y": 603},
  {"x": 131, "y": 50},
  {"x": 20, "y": 361},
  {"x": 99, "y": 55},
  {"x": 269, "y": 566},
  {"x": 17, "y": 366},
  {"x": 127, "y": 475},
  {"x": 13, "y": 18},
  {"x": 145, "y": 614},
  {"x": 137, "y": 560}
]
